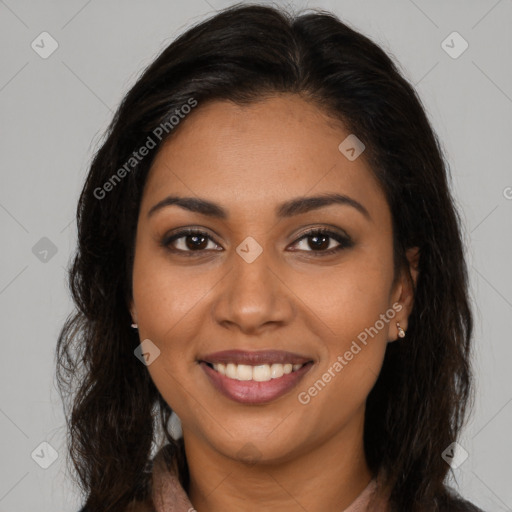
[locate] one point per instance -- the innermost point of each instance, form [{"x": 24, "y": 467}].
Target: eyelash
[{"x": 344, "y": 241}]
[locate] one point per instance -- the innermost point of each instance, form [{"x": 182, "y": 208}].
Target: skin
[{"x": 249, "y": 160}]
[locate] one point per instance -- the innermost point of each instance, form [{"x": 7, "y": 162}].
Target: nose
[{"x": 253, "y": 297}]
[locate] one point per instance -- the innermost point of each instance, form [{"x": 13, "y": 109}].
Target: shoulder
[{"x": 460, "y": 505}]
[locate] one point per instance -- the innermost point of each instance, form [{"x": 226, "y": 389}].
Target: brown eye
[
  {"x": 193, "y": 242},
  {"x": 318, "y": 242},
  {"x": 189, "y": 240},
  {"x": 321, "y": 242}
]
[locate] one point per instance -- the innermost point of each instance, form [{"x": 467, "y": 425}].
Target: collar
[{"x": 168, "y": 494}]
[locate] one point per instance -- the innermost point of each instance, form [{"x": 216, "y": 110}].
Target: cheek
[
  {"x": 349, "y": 297},
  {"x": 167, "y": 297},
  {"x": 353, "y": 313},
  {"x": 167, "y": 301}
]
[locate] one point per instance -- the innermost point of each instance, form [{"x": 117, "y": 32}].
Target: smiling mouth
[
  {"x": 257, "y": 373},
  {"x": 255, "y": 377}
]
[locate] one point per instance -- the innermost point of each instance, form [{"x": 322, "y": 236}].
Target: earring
[
  {"x": 135, "y": 326},
  {"x": 401, "y": 332}
]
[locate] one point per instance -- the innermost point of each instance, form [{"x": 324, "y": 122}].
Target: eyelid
[
  {"x": 325, "y": 228},
  {"x": 174, "y": 235},
  {"x": 339, "y": 235}
]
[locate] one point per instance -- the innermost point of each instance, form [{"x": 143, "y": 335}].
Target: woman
[{"x": 268, "y": 248}]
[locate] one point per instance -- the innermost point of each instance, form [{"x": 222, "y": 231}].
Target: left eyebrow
[
  {"x": 296, "y": 206},
  {"x": 305, "y": 204}
]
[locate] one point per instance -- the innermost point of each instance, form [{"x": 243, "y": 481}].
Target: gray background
[{"x": 53, "y": 114}]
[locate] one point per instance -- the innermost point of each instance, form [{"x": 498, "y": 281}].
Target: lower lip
[{"x": 252, "y": 392}]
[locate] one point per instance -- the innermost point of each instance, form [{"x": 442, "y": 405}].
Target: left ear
[
  {"x": 133, "y": 313},
  {"x": 403, "y": 292}
]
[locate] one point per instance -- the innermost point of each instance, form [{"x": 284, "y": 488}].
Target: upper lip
[{"x": 255, "y": 358}]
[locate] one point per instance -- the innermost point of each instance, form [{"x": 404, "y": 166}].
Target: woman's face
[{"x": 255, "y": 281}]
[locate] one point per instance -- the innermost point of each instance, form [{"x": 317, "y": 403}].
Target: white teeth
[
  {"x": 260, "y": 373},
  {"x": 231, "y": 370},
  {"x": 276, "y": 371},
  {"x": 244, "y": 372}
]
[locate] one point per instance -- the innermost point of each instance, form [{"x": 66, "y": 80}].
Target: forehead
[{"x": 258, "y": 155}]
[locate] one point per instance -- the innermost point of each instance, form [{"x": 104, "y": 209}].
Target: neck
[{"x": 327, "y": 476}]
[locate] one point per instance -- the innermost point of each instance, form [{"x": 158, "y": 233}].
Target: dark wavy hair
[{"x": 244, "y": 54}]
